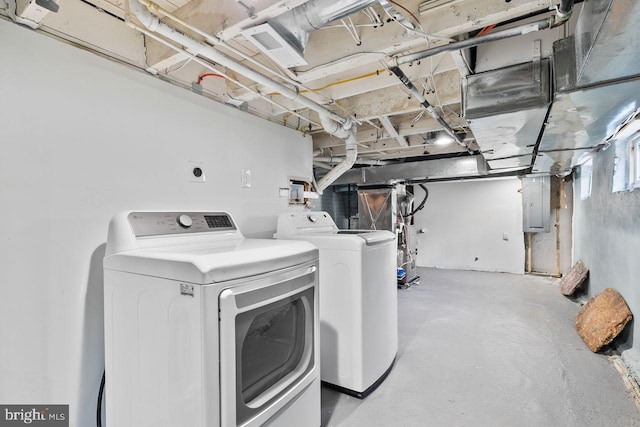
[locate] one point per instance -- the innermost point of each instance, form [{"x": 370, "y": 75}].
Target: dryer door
[{"x": 267, "y": 345}]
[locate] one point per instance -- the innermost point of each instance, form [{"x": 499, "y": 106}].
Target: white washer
[
  {"x": 358, "y": 300},
  {"x": 206, "y": 328}
]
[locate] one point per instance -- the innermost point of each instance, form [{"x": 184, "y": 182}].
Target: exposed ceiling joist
[
  {"x": 394, "y": 100},
  {"x": 388, "y": 126}
]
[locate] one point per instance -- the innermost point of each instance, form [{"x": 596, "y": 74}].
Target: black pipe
[{"x": 419, "y": 208}]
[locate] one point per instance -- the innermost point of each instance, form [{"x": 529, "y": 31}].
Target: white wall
[
  {"x": 83, "y": 138},
  {"x": 465, "y": 222}
]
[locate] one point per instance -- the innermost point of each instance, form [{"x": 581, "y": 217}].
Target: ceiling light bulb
[{"x": 443, "y": 139}]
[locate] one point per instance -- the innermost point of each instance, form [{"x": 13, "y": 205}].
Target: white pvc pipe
[
  {"x": 12, "y": 8},
  {"x": 348, "y": 133},
  {"x": 215, "y": 70},
  {"x": 156, "y": 8},
  {"x": 154, "y": 24}
]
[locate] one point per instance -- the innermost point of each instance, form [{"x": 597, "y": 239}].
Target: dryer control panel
[{"x": 161, "y": 223}]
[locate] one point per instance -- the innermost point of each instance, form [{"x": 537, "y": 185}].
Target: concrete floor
[{"x": 488, "y": 349}]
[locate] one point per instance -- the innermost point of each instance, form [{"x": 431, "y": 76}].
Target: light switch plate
[{"x": 246, "y": 178}]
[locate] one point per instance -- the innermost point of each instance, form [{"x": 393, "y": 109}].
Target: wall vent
[{"x": 274, "y": 45}]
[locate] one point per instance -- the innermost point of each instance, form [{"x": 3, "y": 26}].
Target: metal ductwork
[
  {"x": 294, "y": 26},
  {"x": 457, "y": 167},
  {"x": 284, "y": 38},
  {"x": 597, "y": 83},
  {"x": 506, "y": 109}
]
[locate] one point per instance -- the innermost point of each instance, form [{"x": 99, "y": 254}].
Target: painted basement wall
[
  {"x": 607, "y": 238},
  {"x": 83, "y": 138},
  {"x": 465, "y": 222}
]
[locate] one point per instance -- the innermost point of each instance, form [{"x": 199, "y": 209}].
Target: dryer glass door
[
  {"x": 273, "y": 341},
  {"x": 270, "y": 344}
]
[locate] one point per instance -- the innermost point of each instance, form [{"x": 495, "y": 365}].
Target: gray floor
[{"x": 488, "y": 349}]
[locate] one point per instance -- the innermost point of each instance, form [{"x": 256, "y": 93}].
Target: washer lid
[
  {"x": 371, "y": 237},
  {"x": 213, "y": 262}
]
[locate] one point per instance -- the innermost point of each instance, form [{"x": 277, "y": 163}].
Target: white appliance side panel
[
  {"x": 380, "y": 310},
  {"x": 210, "y": 356},
  {"x": 153, "y": 352},
  {"x": 340, "y": 316}
]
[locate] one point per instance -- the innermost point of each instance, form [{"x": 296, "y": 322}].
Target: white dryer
[
  {"x": 358, "y": 300},
  {"x": 206, "y": 328}
]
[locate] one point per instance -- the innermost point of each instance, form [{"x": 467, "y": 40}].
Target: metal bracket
[
  {"x": 537, "y": 50},
  {"x": 537, "y": 55}
]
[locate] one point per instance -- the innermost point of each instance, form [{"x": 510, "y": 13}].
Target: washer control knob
[
  {"x": 185, "y": 221},
  {"x": 312, "y": 218}
]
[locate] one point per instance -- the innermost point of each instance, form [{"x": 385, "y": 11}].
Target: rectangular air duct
[
  {"x": 506, "y": 109},
  {"x": 456, "y": 167},
  {"x": 597, "y": 82}
]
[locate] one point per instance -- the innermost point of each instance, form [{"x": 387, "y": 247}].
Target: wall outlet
[{"x": 195, "y": 172}]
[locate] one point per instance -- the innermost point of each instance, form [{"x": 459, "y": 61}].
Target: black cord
[
  {"x": 100, "y": 393},
  {"x": 419, "y": 208}
]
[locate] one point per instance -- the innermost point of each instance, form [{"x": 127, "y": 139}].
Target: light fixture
[{"x": 443, "y": 139}]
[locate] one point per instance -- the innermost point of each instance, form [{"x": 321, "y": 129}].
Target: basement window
[
  {"x": 635, "y": 154},
  {"x": 626, "y": 165},
  {"x": 586, "y": 172}
]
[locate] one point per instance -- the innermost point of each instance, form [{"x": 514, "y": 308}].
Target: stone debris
[
  {"x": 602, "y": 319},
  {"x": 574, "y": 278}
]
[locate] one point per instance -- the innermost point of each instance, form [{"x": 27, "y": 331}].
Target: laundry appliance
[
  {"x": 358, "y": 299},
  {"x": 204, "y": 327}
]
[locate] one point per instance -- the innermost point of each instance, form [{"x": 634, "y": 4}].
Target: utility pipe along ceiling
[{"x": 427, "y": 88}]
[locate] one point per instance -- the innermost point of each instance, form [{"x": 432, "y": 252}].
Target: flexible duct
[{"x": 348, "y": 133}]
